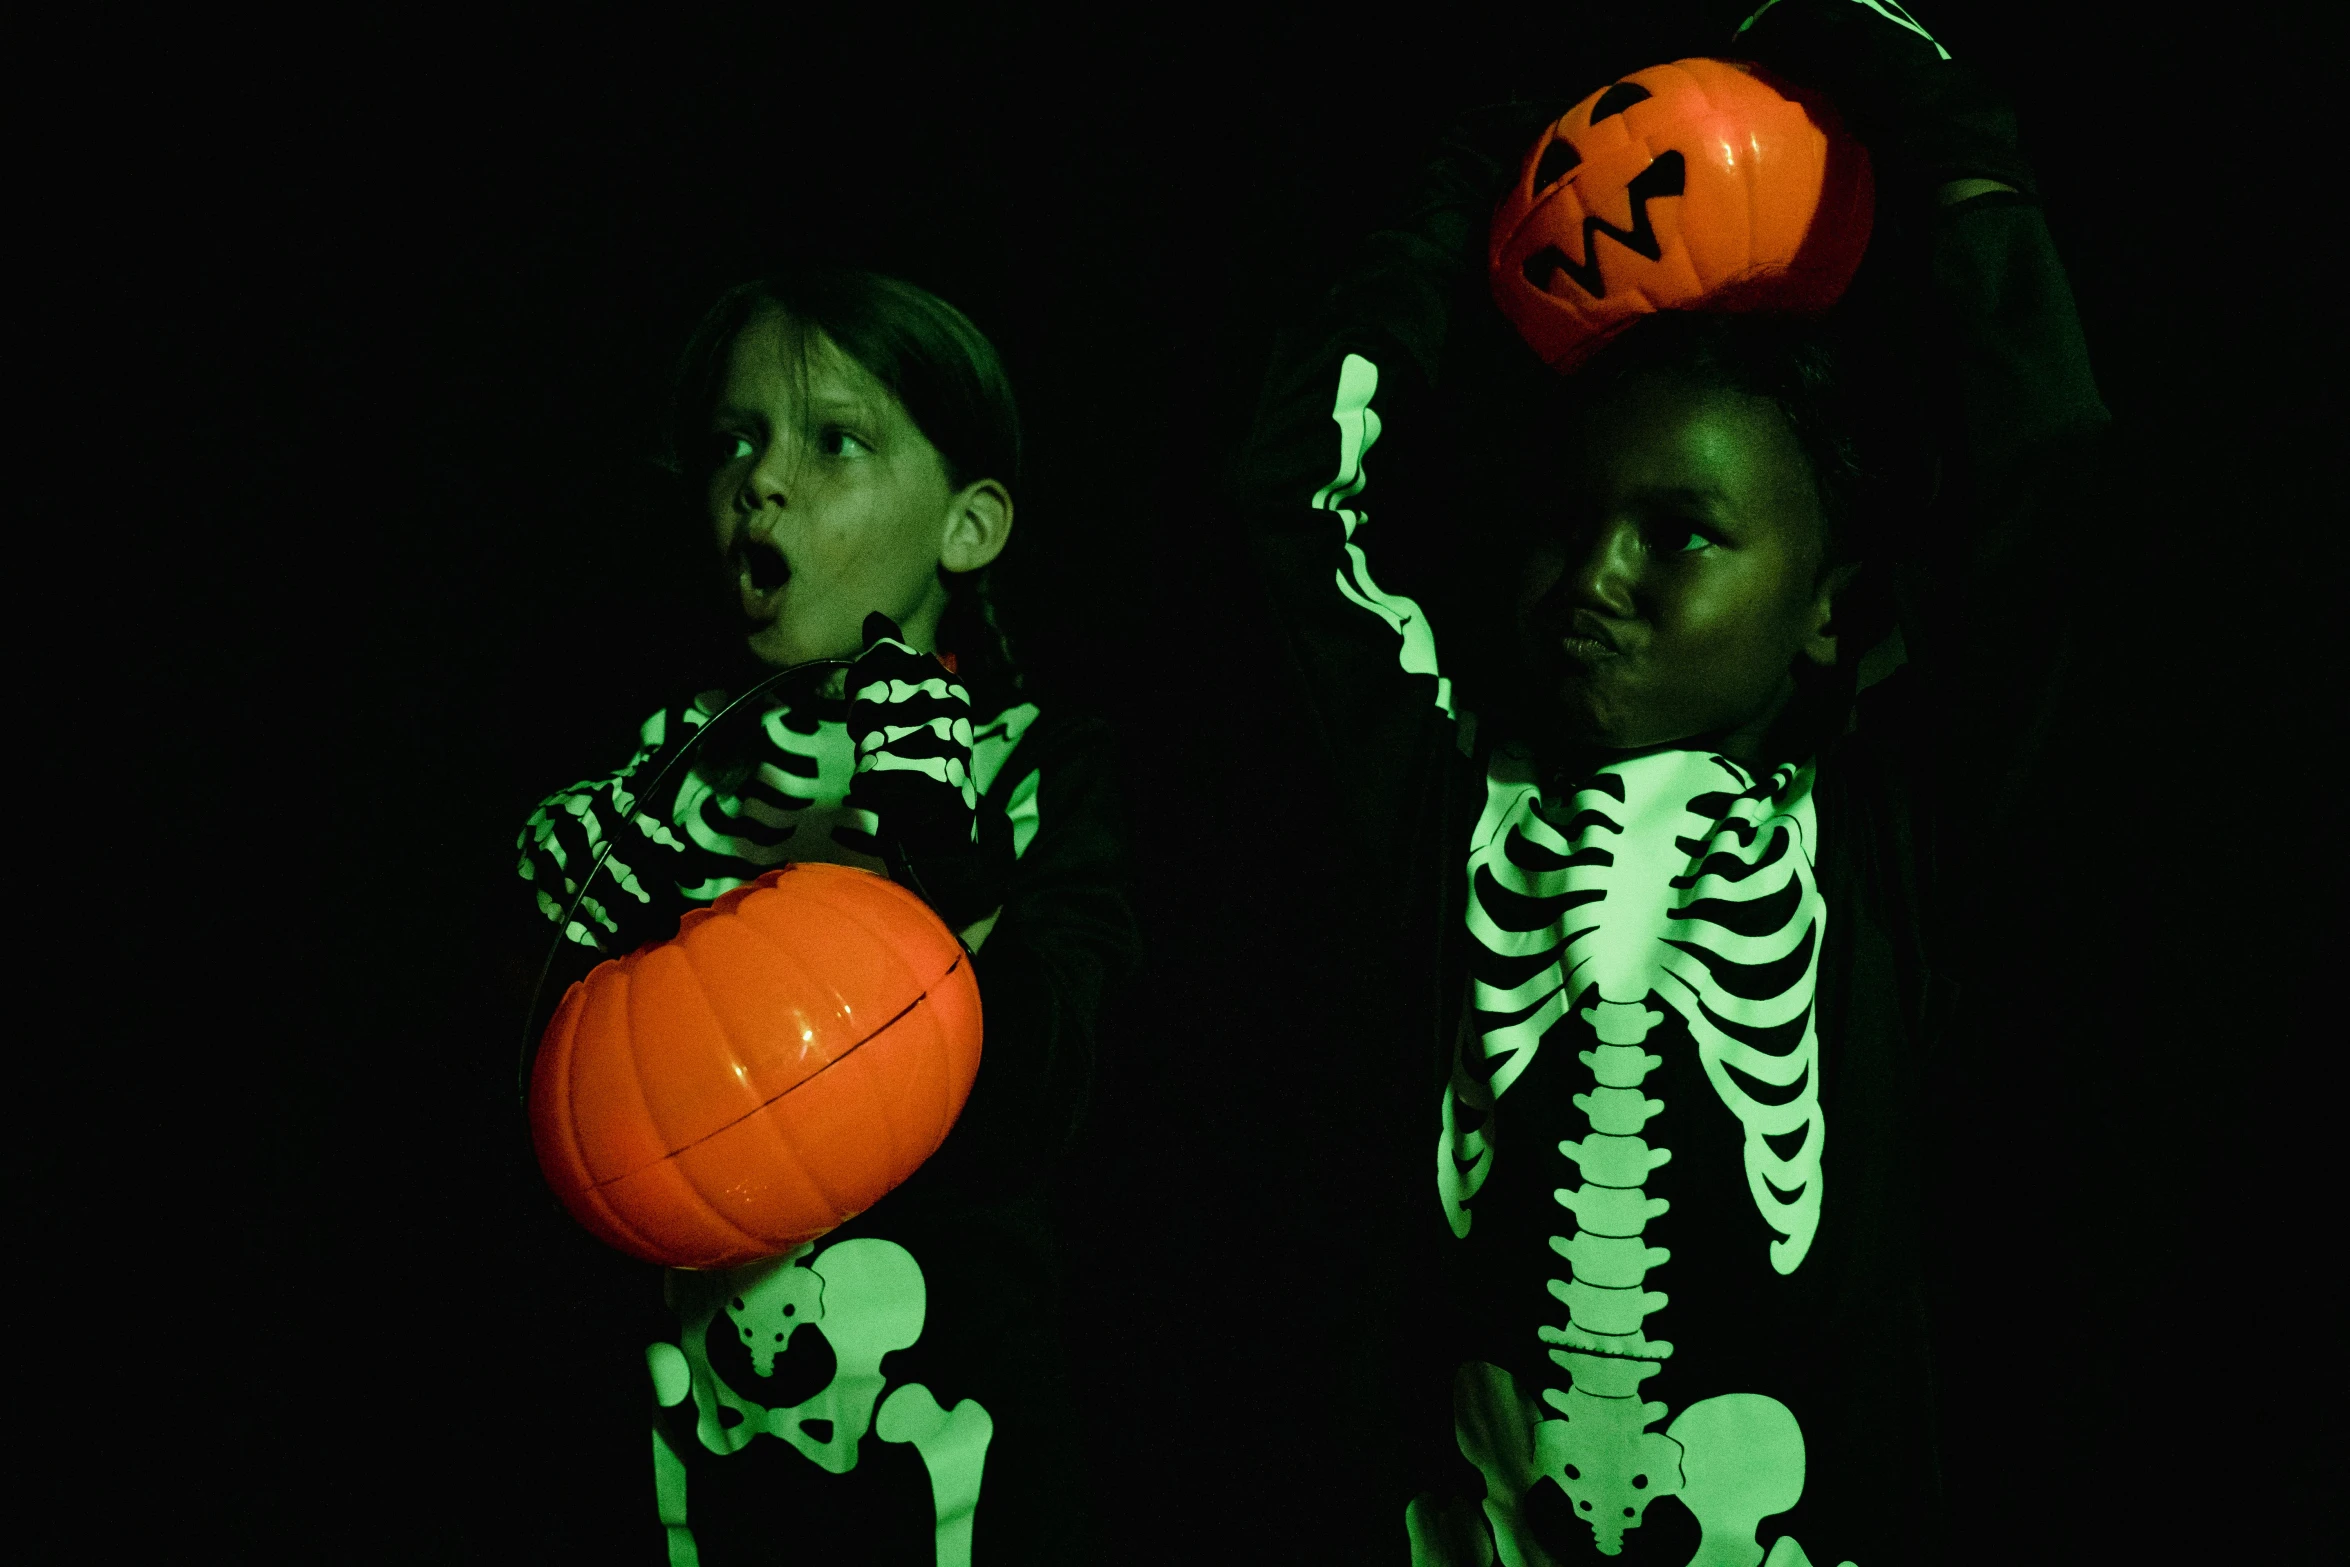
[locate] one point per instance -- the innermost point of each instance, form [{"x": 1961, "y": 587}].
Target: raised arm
[
  {"x": 1992, "y": 572},
  {"x": 1348, "y": 406},
  {"x": 1994, "y": 605}
]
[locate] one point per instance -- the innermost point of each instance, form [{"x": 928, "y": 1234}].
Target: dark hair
[
  {"x": 938, "y": 365},
  {"x": 1790, "y": 362}
]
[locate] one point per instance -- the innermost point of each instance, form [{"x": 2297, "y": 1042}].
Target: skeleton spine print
[{"x": 1672, "y": 880}]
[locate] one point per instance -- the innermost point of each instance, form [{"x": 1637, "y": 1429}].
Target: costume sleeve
[
  {"x": 1346, "y": 430},
  {"x": 1987, "y": 608},
  {"x": 1066, "y": 935},
  {"x": 636, "y": 896}
]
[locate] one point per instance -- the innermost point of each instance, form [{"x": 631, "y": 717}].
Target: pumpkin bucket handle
[{"x": 531, "y": 1027}]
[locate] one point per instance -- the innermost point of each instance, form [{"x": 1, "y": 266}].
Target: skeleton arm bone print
[{"x": 1358, "y": 432}]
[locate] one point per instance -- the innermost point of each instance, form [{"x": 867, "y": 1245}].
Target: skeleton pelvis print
[
  {"x": 791, "y": 1348},
  {"x": 1672, "y": 881}
]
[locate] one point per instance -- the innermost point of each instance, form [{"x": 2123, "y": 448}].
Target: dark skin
[
  {"x": 1685, "y": 580},
  {"x": 1683, "y": 584}
]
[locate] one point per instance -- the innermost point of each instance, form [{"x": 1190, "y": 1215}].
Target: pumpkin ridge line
[
  {"x": 567, "y": 1059},
  {"x": 885, "y": 1027}
]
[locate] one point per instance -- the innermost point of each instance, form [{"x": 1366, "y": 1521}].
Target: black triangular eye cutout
[
  {"x": 1559, "y": 159},
  {"x": 1617, "y": 99}
]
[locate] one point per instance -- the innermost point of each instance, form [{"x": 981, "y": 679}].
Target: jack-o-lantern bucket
[
  {"x": 1700, "y": 185},
  {"x": 795, "y": 1052}
]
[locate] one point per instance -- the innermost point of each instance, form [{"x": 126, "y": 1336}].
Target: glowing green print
[
  {"x": 670, "y": 1381},
  {"x": 953, "y": 1445},
  {"x": 1358, "y": 432},
  {"x": 866, "y": 1297},
  {"x": 1664, "y": 847}
]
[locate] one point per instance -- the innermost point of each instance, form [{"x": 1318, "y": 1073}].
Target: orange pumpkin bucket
[
  {"x": 795, "y": 1052},
  {"x": 1699, "y": 185}
]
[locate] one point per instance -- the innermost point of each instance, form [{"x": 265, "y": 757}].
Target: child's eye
[
  {"x": 1677, "y": 538},
  {"x": 833, "y": 441},
  {"x": 730, "y": 446}
]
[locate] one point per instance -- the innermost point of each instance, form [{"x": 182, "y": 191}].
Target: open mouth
[{"x": 762, "y": 573}]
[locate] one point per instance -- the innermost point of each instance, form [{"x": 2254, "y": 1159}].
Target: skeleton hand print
[{"x": 834, "y": 1314}]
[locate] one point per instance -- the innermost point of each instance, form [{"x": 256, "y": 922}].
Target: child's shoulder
[{"x": 1020, "y": 733}]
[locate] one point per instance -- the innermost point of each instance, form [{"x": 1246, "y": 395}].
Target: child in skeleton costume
[
  {"x": 892, "y": 1392},
  {"x": 1683, "y": 902}
]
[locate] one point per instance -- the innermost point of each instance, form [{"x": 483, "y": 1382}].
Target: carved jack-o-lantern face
[{"x": 1699, "y": 185}]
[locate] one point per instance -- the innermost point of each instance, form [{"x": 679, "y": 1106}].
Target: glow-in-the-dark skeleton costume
[
  {"x": 781, "y": 1433},
  {"x": 1663, "y": 1273}
]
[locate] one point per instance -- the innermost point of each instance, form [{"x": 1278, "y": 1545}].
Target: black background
[{"x": 421, "y": 574}]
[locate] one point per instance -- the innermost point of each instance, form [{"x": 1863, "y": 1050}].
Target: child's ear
[
  {"x": 979, "y": 523},
  {"x": 1819, "y": 642}
]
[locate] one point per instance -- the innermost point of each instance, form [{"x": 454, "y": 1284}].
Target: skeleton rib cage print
[
  {"x": 1670, "y": 880},
  {"x": 1673, "y": 874}
]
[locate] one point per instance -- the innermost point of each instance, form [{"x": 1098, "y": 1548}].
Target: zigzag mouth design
[{"x": 1666, "y": 176}]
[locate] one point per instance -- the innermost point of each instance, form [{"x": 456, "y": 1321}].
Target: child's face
[
  {"x": 827, "y": 502},
  {"x": 1681, "y": 581}
]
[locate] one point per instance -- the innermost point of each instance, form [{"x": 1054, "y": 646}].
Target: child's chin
[
  {"x": 1574, "y": 719},
  {"x": 776, "y": 647}
]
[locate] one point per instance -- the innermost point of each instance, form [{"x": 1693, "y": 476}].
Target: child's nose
[
  {"x": 762, "y": 508},
  {"x": 767, "y": 486},
  {"x": 1601, "y": 569}
]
